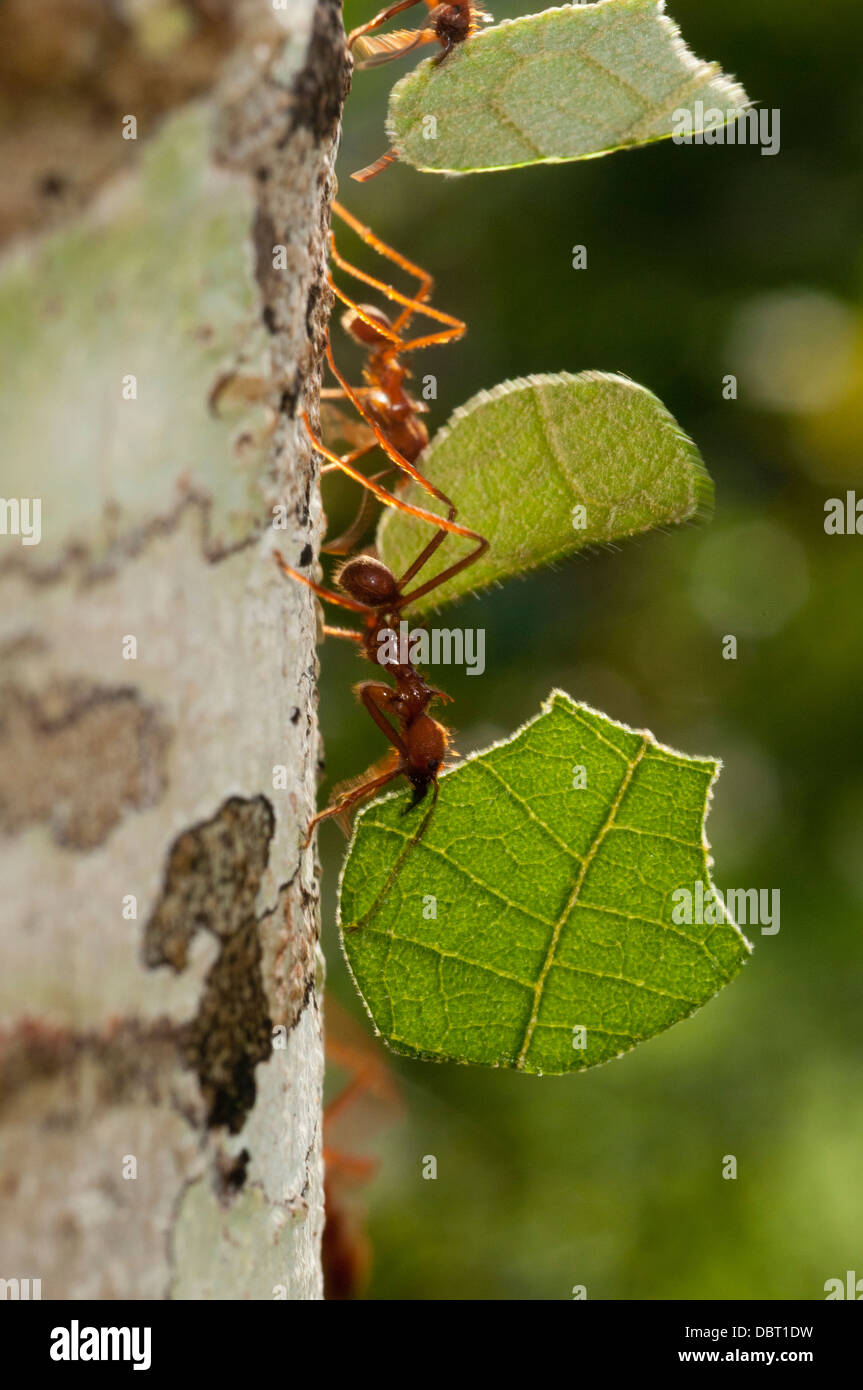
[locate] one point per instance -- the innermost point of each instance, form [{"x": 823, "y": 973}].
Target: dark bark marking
[
  {"x": 212, "y": 880},
  {"x": 54, "y": 766}
]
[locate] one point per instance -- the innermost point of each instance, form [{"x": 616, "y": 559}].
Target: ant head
[
  {"x": 368, "y": 580},
  {"x": 427, "y": 745},
  {"x": 367, "y": 333}
]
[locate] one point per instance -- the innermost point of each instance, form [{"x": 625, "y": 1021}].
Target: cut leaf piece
[
  {"x": 544, "y": 467},
  {"x": 528, "y": 921},
  {"x": 571, "y": 83}
]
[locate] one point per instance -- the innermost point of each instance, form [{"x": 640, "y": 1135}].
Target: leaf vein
[{"x": 573, "y": 898}]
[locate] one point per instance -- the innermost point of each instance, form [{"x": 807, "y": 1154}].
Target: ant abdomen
[
  {"x": 368, "y": 580},
  {"x": 367, "y": 333}
]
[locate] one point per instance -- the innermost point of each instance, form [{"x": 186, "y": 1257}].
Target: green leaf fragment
[
  {"x": 571, "y": 83},
  {"x": 544, "y": 467},
  {"x": 553, "y": 901}
]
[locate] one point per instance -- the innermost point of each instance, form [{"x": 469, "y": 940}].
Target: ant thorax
[
  {"x": 412, "y": 690},
  {"x": 388, "y": 376},
  {"x": 395, "y": 412}
]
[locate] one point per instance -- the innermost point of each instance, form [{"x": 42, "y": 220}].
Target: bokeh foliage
[{"x": 613, "y": 1178}]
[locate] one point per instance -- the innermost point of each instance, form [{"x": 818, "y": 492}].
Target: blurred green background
[{"x": 701, "y": 262}]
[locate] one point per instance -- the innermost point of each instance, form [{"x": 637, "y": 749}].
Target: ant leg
[
  {"x": 391, "y": 452},
  {"x": 351, "y": 457},
  {"x": 335, "y": 393},
  {"x": 367, "y": 1074},
  {"x": 374, "y": 52},
  {"x": 444, "y": 524},
  {"x": 346, "y": 802},
  {"x": 350, "y": 633},
  {"x": 388, "y": 333},
  {"x": 422, "y": 559},
  {"x": 445, "y": 335},
  {"x": 338, "y": 423},
  {"x": 380, "y": 18},
  {"x": 425, "y": 282},
  {"x": 346, "y": 460},
  {"x": 372, "y": 692},
  {"x": 451, "y": 334},
  {"x": 416, "y": 306},
  {"x": 347, "y": 1164},
  {"x": 371, "y": 171},
  {"x": 448, "y": 46},
  {"x": 383, "y": 248},
  {"x": 381, "y": 493},
  {"x": 344, "y": 543},
  {"x": 376, "y": 697},
  {"x": 341, "y": 599},
  {"x": 444, "y": 575}
]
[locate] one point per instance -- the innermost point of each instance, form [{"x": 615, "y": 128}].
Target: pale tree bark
[{"x": 162, "y": 1054}]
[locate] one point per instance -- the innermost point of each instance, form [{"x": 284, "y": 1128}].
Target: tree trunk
[{"x": 161, "y": 1028}]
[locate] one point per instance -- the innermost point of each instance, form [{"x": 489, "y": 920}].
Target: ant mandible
[
  {"x": 420, "y": 743},
  {"x": 448, "y": 24}
]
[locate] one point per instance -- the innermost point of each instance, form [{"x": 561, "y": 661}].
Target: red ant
[
  {"x": 447, "y": 24},
  {"x": 420, "y": 743},
  {"x": 389, "y": 414},
  {"x": 383, "y": 401}
]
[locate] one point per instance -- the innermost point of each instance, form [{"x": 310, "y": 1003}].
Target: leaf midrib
[{"x": 631, "y": 765}]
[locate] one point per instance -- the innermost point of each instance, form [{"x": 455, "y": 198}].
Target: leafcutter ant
[
  {"x": 388, "y": 413},
  {"x": 419, "y": 742},
  {"x": 383, "y": 400},
  {"x": 447, "y": 24}
]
